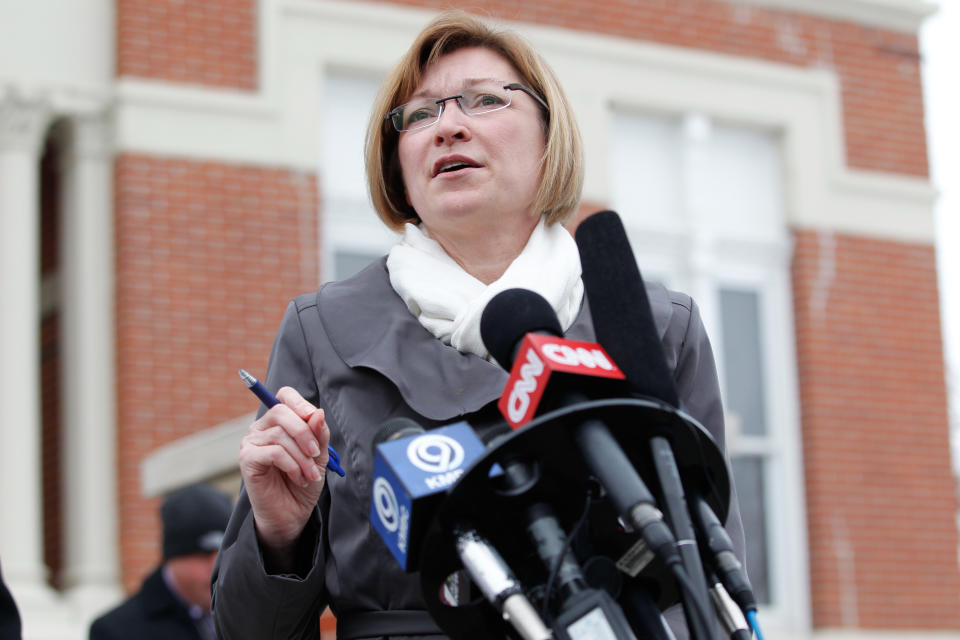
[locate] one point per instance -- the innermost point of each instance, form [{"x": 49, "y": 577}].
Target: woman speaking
[{"x": 473, "y": 154}]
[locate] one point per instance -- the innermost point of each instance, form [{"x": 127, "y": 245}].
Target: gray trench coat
[{"x": 355, "y": 350}]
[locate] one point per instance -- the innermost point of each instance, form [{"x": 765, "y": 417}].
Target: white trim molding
[{"x": 899, "y": 15}]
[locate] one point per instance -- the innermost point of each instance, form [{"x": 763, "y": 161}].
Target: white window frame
[
  {"x": 769, "y": 277},
  {"x": 701, "y": 261},
  {"x": 348, "y": 221}
]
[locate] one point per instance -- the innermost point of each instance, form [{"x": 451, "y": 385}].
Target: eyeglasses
[{"x": 475, "y": 101}]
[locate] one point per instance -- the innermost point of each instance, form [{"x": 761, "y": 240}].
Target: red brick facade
[
  {"x": 211, "y": 43},
  {"x": 881, "y": 498},
  {"x": 208, "y": 254}
]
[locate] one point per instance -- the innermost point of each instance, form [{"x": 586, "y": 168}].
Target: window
[
  {"x": 745, "y": 402},
  {"x": 702, "y": 204},
  {"x": 353, "y": 235}
]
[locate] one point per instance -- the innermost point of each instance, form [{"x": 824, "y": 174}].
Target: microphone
[
  {"x": 552, "y": 372},
  {"x": 624, "y": 324},
  {"x": 499, "y": 325},
  {"x": 496, "y": 581},
  {"x": 411, "y": 472},
  {"x": 397, "y": 428},
  {"x": 517, "y": 323},
  {"x": 539, "y": 472},
  {"x": 717, "y": 543},
  {"x": 620, "y": 308},
  {"x": 412, "y": 469},
  {"x": 731, "y": 617}
]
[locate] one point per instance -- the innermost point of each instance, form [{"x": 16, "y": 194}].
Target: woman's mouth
[{"x": 453, "y": 164}]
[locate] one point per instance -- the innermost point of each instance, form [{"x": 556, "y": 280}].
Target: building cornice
[{"x": 23, "y": 121}]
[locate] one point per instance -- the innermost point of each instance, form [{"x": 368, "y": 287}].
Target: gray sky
[{"x": 940, "y": 45}]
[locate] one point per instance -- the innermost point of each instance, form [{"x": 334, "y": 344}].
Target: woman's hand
[{"x": 283, "y": 461}]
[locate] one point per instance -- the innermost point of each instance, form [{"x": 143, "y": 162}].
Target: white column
[
  {"x": 91, "y": 575},
  {"x": 22, "y": 125},
  {"x": 699, "y": 212}
]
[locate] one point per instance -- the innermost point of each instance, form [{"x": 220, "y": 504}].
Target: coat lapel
[{"x": 369, "y": 326}]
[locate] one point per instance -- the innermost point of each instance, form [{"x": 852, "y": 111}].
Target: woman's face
[{"x": 500, "y": 153}]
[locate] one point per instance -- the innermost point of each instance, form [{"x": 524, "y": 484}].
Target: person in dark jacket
[
  {"x": 474, "y": 157},
  {"x": 9, "y": 615},
  {"x": 174, "y": 601}
]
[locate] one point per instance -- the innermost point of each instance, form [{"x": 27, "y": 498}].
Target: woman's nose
[{"x": 451, "y": 125}]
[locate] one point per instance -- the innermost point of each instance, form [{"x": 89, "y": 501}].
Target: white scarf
[{"x": 448, "y": 301}]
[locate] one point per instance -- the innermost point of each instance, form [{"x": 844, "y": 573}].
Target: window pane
[
  {"x": 742, "y": 360},
  {"x": 645, "y": 162},
  {"x": 352, "y": 234},
  {"x": 344, "y": 110},
  {"x": 737, "y": 183},
  {"x": 748, "y": 476},
  {"x": 347, "y": 263}
]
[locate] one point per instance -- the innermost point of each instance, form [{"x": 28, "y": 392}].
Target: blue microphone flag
[{"x": 410, "y": 477}]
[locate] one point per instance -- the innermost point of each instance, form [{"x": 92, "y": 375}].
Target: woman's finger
[
  {"x": 280, "y": 437},
  {"x": 292, "y": 398},
  {"x": 285, "y": 417},
  {"x": 258, "y": 459}
]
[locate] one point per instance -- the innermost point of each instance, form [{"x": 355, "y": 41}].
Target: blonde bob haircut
[{"x": 561, "y": 167}]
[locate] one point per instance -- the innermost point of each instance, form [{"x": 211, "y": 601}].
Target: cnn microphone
[
  {"x": 583, "y": 366},
  {"x": 521, "y": 331}
]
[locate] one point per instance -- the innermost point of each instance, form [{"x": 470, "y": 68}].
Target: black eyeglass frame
[{"x": 513, "y": 86}]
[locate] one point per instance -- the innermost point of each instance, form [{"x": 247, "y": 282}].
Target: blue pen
[{"x": 269, "y": 400}]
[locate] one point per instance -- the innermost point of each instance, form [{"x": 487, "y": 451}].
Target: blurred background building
[{"x": 173, "y": 171}]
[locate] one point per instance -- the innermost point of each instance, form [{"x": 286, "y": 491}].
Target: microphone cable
[
  {"x": 676, "y": 567},
  {"x": 754, "y": 623},
  {"x": 544, "y": 611},
  {"x": 687, "y": 586}
]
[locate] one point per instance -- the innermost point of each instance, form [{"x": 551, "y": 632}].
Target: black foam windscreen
[
  {"x": 395, "y": 428},
  {"x": 620, "y": 308},
  {"x": 510, "y": 315}
]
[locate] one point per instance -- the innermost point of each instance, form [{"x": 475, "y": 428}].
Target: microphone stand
[
  {"x": 542, "y": 463},
  {"x": 644, "y": 615},
  {"x": 580, "y": 606},
  {"x": 676, "y": 514}
]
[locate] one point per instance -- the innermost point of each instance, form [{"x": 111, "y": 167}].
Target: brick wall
[
  {"x": 208, "y": 255},
  {"x": 211, "y": 43},
  {"x": 881, "y": 502},
  {"x": 879, "y": 70}
]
